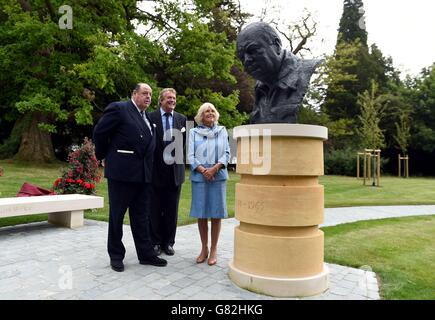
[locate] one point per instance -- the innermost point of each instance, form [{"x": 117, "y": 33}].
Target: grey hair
[
  {"x": 202, "y": 109},
  {"x": 162, "y": 93}
]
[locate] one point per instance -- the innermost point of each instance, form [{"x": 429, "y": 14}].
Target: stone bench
[{"x": 64, "y": 210}]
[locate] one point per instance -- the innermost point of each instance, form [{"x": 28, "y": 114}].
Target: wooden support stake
[
  {"x": 365, "y": 168},
  {"x": 369, "y": 166},
  {"x": 379, "y": 167},
  {"x": 399, "y": 171},
  {"x": 357, "y": 165}
]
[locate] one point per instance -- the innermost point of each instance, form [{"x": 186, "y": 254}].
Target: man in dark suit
[
  {"x": 125, "y": 140},
  {"x": 168, "y": 173}
]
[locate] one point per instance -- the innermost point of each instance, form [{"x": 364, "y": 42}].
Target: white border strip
[{"x": 282, "y": 129}]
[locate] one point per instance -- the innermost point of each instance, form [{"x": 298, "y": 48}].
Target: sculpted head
[{"x": 259, "y": 49}]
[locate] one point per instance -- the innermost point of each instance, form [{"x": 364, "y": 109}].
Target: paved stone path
[
  {"x": 334, "y": 216},
  {"x": 41, "y": 261}
]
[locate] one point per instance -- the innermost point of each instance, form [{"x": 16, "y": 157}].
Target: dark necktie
[{"x": 167, "y": 138}]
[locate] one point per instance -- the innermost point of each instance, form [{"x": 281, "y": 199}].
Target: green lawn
[
  {"x": 343, "y": 191},
  {"x": 339, "y": 191},
  {"x": 400, "y": 250}
]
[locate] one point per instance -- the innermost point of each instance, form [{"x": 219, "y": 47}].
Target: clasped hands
[{"x": 209, "y": 173}]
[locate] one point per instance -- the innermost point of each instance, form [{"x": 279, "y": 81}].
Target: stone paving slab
[{"x": 42, "y": 261}]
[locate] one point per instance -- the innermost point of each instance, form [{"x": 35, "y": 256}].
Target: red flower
[
  {"x": 57, "y": 181},
  {"x": 82, "y": 173}
]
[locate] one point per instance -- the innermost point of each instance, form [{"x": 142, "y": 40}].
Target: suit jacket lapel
[
  {"x": 160, "y": 127},
  {"x": 153, "y": 129},
  {"x": 176, "y": 121},
  {"x": 136, "y": 117}
]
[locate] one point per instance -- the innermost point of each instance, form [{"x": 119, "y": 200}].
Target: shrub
[
  {"x": 82, "y": 173},
  {"x": 343, "y": 162},
  {"x": 340, "y": 162}
]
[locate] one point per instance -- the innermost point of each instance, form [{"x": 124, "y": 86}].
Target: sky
[{"x": 402, "y": 29}]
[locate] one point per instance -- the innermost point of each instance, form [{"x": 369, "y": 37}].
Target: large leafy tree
[
  {"x": 57, "y": 80},
  {"x": 199, "y": 62},
  {"x": 226, "y": 17},
  {"x": 50, "y": 75},
  {"x": 197, "y": 54},
  {"x": 341, "y": 102},
  {"x": 398, "y": 114},
  {"x": 341, "y": 81},
  {"x": 352, "y": 22},
  {"x": 382, "y": 70},
  {"x": 332, "y": 89},
  {"x": 423, "y": 99},
  {"x": 413, "y": 130},
  {"x": 349, "y": 72}
]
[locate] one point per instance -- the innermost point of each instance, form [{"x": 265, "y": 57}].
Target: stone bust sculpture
[{"x": 282, "y": 78}]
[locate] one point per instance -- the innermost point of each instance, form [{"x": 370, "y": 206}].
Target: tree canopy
[{"x": 51, "y": 76}]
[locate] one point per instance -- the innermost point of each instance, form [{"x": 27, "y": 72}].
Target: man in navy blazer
[
  {"x": 169, "y": 171},
  {"x": 125, "y": 140}
]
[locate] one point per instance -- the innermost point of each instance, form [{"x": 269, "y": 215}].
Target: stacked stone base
[{"x": 278, "y": 247}]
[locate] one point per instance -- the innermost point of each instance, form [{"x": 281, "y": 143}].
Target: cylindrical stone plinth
[{"x": 278, "y": 247}]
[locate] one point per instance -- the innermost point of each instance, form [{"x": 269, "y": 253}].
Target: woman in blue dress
[{"x": 209, "y": 153}]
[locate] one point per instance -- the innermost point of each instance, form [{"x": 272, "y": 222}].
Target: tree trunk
[
  {"x": 12, "y": 143},
  {"x": 35, "y": 144}
]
